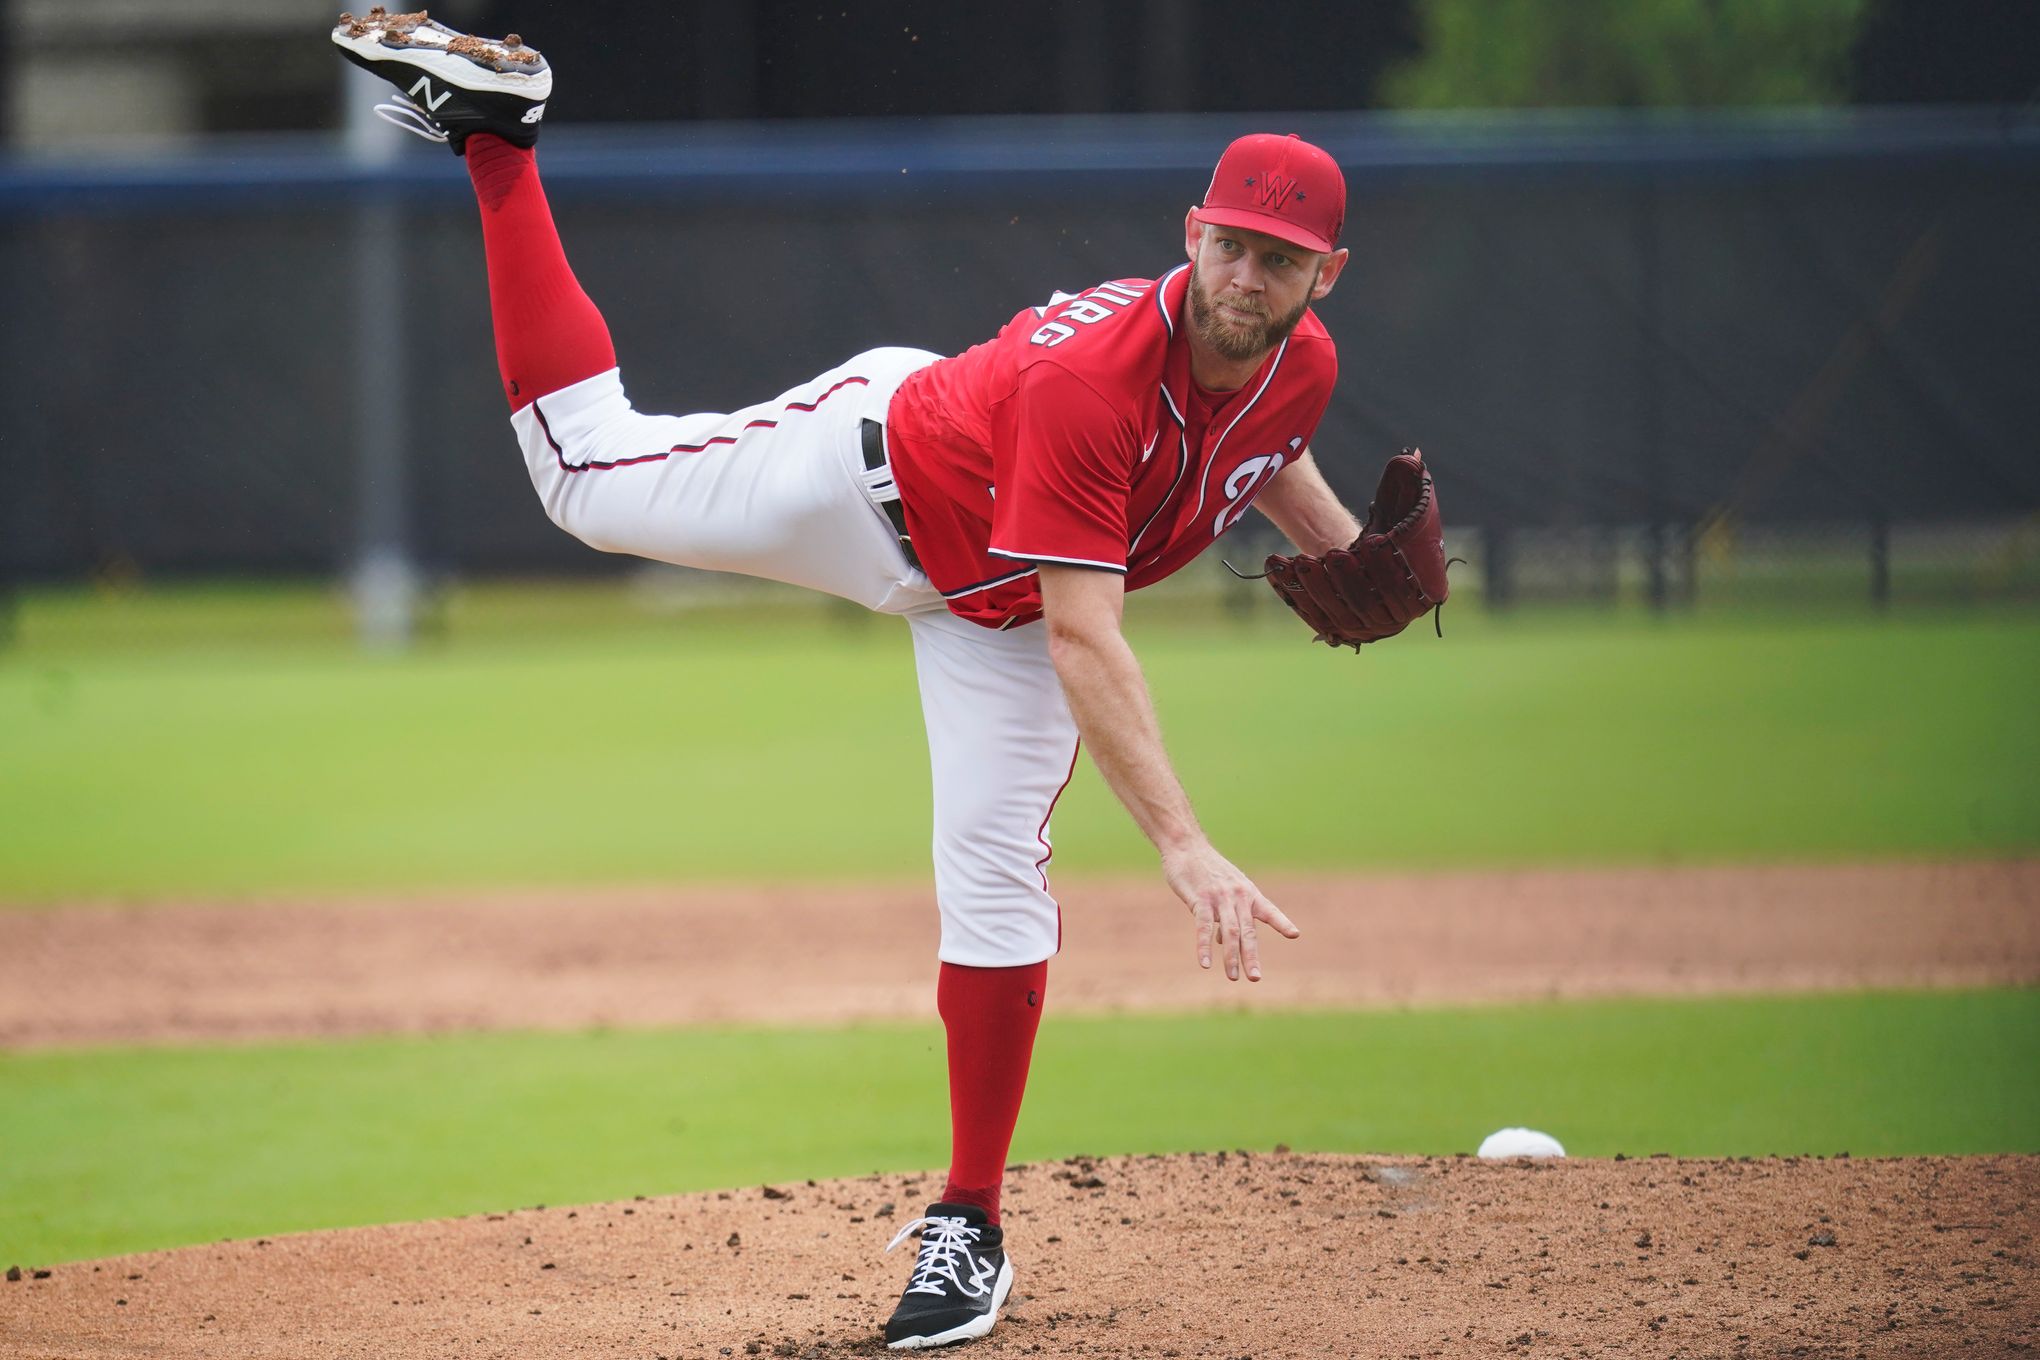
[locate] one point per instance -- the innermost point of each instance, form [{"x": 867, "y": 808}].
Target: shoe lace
[
  {"x": 409, "y": 115},
  {"x": 944, "y": 1248}
]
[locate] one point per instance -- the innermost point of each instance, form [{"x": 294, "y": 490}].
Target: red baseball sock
[
  {"x": 548, "y": 334},
  {"x": 991, "y": 1015}
]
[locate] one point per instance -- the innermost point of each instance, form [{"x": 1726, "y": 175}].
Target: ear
[
  {"x": 1193, "y": 233},
  {"x": 1328, "y": 273}
]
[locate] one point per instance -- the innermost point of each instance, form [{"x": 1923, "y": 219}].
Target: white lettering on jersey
[
  {"x": 1244, "y": 481},
  {"x": 533, "y": 114},
  {"x": 422, "y": 89},
  {"x": 1088, "y": 310}
]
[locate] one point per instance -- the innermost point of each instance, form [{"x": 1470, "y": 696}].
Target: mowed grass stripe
[
  {"x": 728, "y": 753},
  {"x": 124, "y": 1150}
]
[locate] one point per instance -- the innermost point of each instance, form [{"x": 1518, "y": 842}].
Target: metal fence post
[
  {"x": 1496, "y": 566},
  {"x": 382, "y": 577},
  {"x": 1650, "y": 305},
  {"x": 1880, "y": 560},
  {"x": 1655, "y": 587},
  {"x": 1689, "y": 564}
]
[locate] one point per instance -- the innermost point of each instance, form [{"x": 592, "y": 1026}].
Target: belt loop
[
  {"x": 878, "y": 478},
  {"x": 880, "y": 487}
]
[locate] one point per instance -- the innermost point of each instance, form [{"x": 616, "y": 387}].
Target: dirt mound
[
  {"x": 170, "y": 972},
  {"x": 1193, "y": 1256}
]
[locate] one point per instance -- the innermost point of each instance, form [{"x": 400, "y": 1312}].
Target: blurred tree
[{"x": 1627, "y": 53}]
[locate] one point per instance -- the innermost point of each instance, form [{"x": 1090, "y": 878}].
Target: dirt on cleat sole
[{"x": 418, "y": 30}]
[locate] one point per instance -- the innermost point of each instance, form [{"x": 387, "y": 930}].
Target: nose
[{"x": 1247, "y": 277}]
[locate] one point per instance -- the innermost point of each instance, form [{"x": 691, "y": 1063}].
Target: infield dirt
[
  {"x": 1218, "y": 1256},
  {"x": 1193, "y": 1256},
  {"x": 171, "y": 972}
]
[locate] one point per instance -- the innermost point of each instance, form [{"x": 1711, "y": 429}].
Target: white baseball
[{"x": 1504, "y": 1143}]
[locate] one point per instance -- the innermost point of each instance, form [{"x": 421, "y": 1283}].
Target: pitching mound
[{"x": 1200, "y": 1255}]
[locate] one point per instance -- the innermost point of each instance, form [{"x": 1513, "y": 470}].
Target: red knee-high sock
[
  {"x": 548, "y": 334},
  {"x": 991, "y": 1015}
]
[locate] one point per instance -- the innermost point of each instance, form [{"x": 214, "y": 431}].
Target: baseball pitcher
[{"x": 1002, "y": 502}]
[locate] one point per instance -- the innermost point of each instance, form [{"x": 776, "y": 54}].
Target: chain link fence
[{"x": 1669, "y": 361}]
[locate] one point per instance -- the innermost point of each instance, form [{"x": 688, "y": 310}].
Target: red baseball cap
[{"x": 1283, "y": 186}]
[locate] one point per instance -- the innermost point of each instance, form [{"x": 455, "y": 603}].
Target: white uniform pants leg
[
  {"x": 1002, "y": 746},
  {"x": 774, "y": 490},
  {"x": 777, "y": 490}
]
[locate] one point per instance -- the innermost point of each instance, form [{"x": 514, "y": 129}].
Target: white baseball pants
[{"x": 780, "y": 491}]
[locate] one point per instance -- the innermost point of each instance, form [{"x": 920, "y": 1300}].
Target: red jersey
[{"x": 1077, "y": 436}]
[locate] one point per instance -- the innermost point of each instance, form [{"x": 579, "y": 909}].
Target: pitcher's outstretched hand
[{"x": 1227, "y": 908}]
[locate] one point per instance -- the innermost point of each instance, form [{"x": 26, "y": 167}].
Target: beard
[{"x": 1228, "y": 336}]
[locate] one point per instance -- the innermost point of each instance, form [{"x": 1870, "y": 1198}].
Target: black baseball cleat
[
  {"x": 960, "y": 1278},
  {"x": 453, "y": 85}
]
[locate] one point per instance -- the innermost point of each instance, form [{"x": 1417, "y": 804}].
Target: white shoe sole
[
  {"x": 969, "y": 1331},
  {"x": 427, "y": 52}
]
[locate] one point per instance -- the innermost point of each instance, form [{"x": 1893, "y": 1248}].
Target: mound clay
[
  {"x": 1220, "y": 1256},
  {"x": 1195, "y": 1256}
]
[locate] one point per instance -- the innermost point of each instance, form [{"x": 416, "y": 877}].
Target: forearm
[
  {"x": 1108, "y": 697},
  {"x": 1115, "y": 715},
  {"x": 1304, "y": 507}
]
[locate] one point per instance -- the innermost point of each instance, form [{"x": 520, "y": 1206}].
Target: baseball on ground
[{"x": 1520, "y": 1143}]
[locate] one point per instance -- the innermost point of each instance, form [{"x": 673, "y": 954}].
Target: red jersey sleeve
[{"x": 1062, "y": 460}]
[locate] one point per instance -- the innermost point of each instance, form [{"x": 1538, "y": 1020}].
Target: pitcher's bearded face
[{"x": 1241, "y": 325}]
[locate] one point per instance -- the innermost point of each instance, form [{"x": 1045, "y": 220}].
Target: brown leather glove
[{"x": 1391, "y": 576}]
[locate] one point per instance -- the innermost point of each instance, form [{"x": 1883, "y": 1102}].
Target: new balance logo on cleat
[
  {"x": 424, "y": 88},
  {"x": 961, "y": 1277},
  {"x": 454, "y": 85}
]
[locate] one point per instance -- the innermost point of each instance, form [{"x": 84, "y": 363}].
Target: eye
[
  {"x": 1278, "y": 260},
  {"x": 1227, "y": 245}
]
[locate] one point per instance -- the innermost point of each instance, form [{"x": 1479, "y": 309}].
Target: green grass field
[
  {"x": 116, "y": 1151},
  {"x": 547, "y": 743},
  {"x": 235, "y": 742}
]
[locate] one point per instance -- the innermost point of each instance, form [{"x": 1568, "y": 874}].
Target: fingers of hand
[
  {"x": 1264, "y": 910},
  {"x": 1250, "y": 949},
  {"x": 1227, "y": 907},
  {"x": 1235, "y": 932}
]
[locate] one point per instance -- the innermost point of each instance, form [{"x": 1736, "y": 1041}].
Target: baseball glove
[{"x": 1391, "y": 576}]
